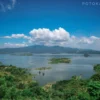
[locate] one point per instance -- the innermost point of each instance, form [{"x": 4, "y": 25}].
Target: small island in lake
[
  {"x": 59, "y": 60},
  {"x": 86, "y": 55},
  {"x": 22, "y": 54},
  {"x": 43, "y": 68}
]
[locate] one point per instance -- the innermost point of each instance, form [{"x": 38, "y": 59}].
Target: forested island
[
  {"x": 43, "y": 68},
  {"x": 22, "y": 54},
  {"x": 59, "y": 60},
  {"x": 17, "y": 84}
]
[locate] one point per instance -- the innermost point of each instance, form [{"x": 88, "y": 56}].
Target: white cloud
[
  {"x": 85, "y": 40},
  {"x": 61, "y": 37},
  {"x": 13, "y": 2},
  {"x": 94, "y": 38},
  {"x": 4, "y": 7},
  {"x": 14, "y": 45},
  {"x": 17, "y": 36},
  {"x": 58, "y": 37},
  {"x": 44, "y": 34},
  {"x": 9, "y": 7}
]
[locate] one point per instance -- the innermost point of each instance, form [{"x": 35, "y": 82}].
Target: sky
[{"x": 67, "y": 23}]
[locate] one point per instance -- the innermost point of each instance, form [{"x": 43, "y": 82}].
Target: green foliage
[
  {"x": 11, "y": 93},
  {"x": 71, "y": 89},
  {"x": 60, "y": 60},
  {"x": 20, "y": 85},
  {"x": 43, "y": 68},
  {"x": 97, "y": 68},
  {"x": 94, "y": 89},
  {"x": 16, "y": 71},
  {"x": 17, "y": 84},
  {"x": 2, "y": 81},
  {"x": 2, "y": 91},
  {"x": 77, "y": 89},
  {"x": 83, "y": 96},
  {"x": 33, "y": 84},
  {"x": 96, "y": 77},
  {"x": 26, "y": 92}
]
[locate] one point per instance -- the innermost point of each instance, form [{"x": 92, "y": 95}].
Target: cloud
[
  {"x": 91, "y": 42},
  {"x": 17, "y": 36},
  {"x": 14, "y": 45},
  {"x": 58, "y": 37},
  {"x": 2, "y": 7},
  {"x": 44, "y": 34},
  {"x": 13, "y": 2},
  {"x": 7, "y": 6},
  {"x": 61, "y": 37}
]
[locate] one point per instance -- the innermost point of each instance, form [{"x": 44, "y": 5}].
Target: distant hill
[{"x": 47, "y": 49}]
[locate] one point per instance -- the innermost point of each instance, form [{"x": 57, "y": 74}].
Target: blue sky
[{"x": 79, "y": 18}]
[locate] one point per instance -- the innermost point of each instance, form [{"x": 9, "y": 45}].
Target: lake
[{"x": 62, "y": 71}]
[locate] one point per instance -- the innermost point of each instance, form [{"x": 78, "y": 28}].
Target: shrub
[
  {"x": 97, "y": 68},
  {"x": 96, "y": 77},
  {"x": 93, "y": 88}
]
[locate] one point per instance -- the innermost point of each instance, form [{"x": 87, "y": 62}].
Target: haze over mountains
[{"x": 47, "y": 49}]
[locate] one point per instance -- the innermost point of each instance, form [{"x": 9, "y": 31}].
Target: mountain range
[{"x": 47, "y": 49}]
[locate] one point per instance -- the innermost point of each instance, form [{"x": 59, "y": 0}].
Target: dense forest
[{"x": 18, "y": 84}]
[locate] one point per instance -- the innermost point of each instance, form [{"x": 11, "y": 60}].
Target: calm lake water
[{"x": 79, "y": 65}]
